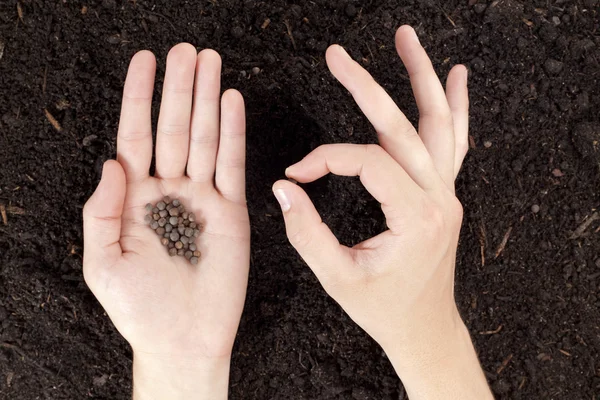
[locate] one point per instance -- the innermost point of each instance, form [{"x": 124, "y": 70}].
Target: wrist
[
  {"x": 166, "y": 377},
  {"x": 441, "y": 364}
]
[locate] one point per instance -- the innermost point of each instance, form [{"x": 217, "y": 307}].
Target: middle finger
[
  {"x": 173, "y": 131},
  {"x": 396, "y": 134}
]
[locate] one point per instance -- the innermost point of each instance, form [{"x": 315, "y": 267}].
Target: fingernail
[
  {"x": 466, "y": 75},
  {"x": 343, "y": 51},
  {"x": 283, "y": 200},
  {"x": 414, "y": 35}
]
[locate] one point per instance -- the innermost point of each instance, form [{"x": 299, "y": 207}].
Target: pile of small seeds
[{"x": 176, "y": 228}]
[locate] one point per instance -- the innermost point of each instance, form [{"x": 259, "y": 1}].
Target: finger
[
  {"x": 134, "y": 140},
  {"x": 313, "y": 240},
  {"x": 396, "y": 134},
  {"x": 172, "y": 137},
  {"x": 204, "y": 135},
  {"x": 230, "y": 176},
  {"x": 457, "y": 93},
  {"x": 385, "y": 179},
  {"x": 102, "y": 220},
  {"x": 435, "y": 118}
]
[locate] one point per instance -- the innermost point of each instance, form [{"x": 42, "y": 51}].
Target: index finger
[
  {"x": 134, "y": 140},
  {"x": 387, "y": 181}
]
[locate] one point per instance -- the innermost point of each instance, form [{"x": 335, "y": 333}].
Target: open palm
[{"x": 161, "y": 304}]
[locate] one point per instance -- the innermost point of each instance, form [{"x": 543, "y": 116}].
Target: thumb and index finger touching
[{"x": 413, "y": 162}]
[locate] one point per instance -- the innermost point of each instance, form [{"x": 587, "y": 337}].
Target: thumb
[
  {"x": 309, "y": 235},
  {"x": 102, "y": 220}
]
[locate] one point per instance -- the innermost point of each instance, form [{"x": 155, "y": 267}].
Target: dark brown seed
[
  {"x": 173, "y": 220},
  {"x": 155, "y": 217},
  {"x": 196, "y": 233},
  {"x": 186, "y": 246},
  {"x": 163, "y": 213},
  {"x": 164, "y": 241},
  {"x": 181, "y": 208},
  {"x": 148, "y": 218},
  {"x": 171, "y": 245},
  {"x": 174, "y": 236},
  {"x": 174, "y": 212},
  {"x": 193, "y": 246},
  {"x": 179, "y": 245},
  {"x": 192, "y": 217},
  {"x": 169, "y": 206},
  {"x": 197, "y": 253},
  {"x": 194, "y": 260},
  {"x": 189, "y": 232},
  {"x": 155, "y": 210},
  {"x": 181, "y": 230},
  {"x": 180, "y": 220},
  {"x": 180, "y": 252},
  {"x": 176, "y": 202},
  {"x": 188, "y": 254},
  {"x": 168, "y": 228},
  {"x": 162, "y": 222},
  {"x": 193, "y": 225},
  {"x": 186, "y": 222},
  {"x": 167, "y": 199},
  {"x": 167, "y": 235},
  {"x": 160, "y": 231},
  {"x": 173, "y": 252},
  {"x": 154, "y": 225},
  {"x": 185, "y": 215},
  {"x": 149, "y": 207},
  {"x": 161, "y": 205},
  {"x": 184, "y": 239}
]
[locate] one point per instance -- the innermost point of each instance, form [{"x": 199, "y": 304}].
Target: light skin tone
[
  {"x": 398, "y": 286},
  {"x": 181, "y": 319}
]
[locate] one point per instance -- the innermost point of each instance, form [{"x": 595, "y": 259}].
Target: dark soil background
[{"x": 531, "y": 178}]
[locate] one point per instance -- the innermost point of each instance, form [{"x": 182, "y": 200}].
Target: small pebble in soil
[
  {"x": 535, "y": 209},
  {"x": 237, "y": 32},
  {"x": 176, "y": 228},
  {"x": 487, "y": 144},
  {"x": 553, "y": 67}
]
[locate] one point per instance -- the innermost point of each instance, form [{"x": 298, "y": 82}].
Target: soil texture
[{"x": 528, "y": 270}]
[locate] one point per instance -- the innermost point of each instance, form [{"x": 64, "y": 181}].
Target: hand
[
  {"x": 399, "y": 285},
  {"x": 180, "y": 319}
]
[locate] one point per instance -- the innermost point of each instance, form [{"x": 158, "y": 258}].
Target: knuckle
[
  {"x": 463, "y": 147},
  {"x": 455, "y": 211},
  {"x": 440, "y": 222},
  {"x": 300, "y": 238},
  {"x": 404, "y": 128},
  {"x": 209, "y": 141},
  {"x": 132, "y": 136},
  {"x": 434, "y": 226},
  {"x": 373, "y": 150},
  {"x": 232, "y": 163},
  {"x": 232, "y": 134},
  {"x": 86, "y": 212},
  {"x": 173, "y": 130},
  {"x": 322, "y": 149}
]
